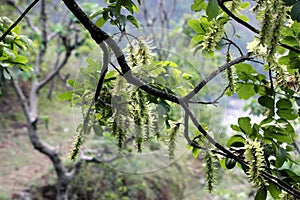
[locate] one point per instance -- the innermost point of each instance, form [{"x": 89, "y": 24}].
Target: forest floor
[{"x": 22, "y": 167}]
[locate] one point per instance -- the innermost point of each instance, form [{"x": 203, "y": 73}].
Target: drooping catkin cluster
[
  {"x": 286, "y": 80},
  {"x": 120, "y": 131},
  {"x": 281, "y": 75},
  {"x": 230, "y": 77},
  {"x": 213, "y": 36},
  {"x": 254, "y": 157},
  {"x": 139, "y": 52},
  {"x": 259, "y": 4},
  {"x": 286, "y": 196},
  {"x": 274, "y": 16},
  {"x": 210, "y": 172},
  {"x": 133, "y": 113},
  {"x": 140, "y": 116},
  {"x": 75, "y": 147},
  {"x": 153, "y": 122}
]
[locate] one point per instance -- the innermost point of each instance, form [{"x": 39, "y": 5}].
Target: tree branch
[
  {"x": 229, "y": 154},
  {"x": 100, "y": 36},
  {"x": 238, "y": 20},
  {"x": 22, "y": 99},
  {"x": 57, "y": 69},
  {"x": 250, "y": 27},
  {"x": 215, "y": 73},
  {"x": 29, "y": 22},
  {"x": 19, "y": 19},
  {"x": 106, "y": 60},
  {"x": 214, "y": 102}
]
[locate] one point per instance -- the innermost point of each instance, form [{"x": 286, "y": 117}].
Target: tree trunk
[{"x": 62, "y": 189}]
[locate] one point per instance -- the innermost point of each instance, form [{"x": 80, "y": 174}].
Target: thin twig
[
  {"x": 28, "y": 20},
  {"x": 216, "y": 73},
  {"x": 211, "y": 102},
  {"x": 234, "y": 44},
  {"x": 19, "y": 19}
]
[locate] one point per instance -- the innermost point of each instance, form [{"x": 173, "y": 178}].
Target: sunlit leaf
[
  {"x": 245, "y": 125},
  {"x": 212, "y": 9}
]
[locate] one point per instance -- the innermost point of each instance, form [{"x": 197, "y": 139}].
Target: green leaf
[
  {"x": 236, "y": 141},
  {"x": 17, "y": 29},
  {"x": 245, "y": 71},
  {"x": 283, "y": 104},
  {"x": 266, "y": 101},
  {"x": 65, "y": 96},
  {"x": 167, "y": 64},
  {"x": 261, "y": 194},
  {"x": 75, "y": 84},
  {"x": 281, "y": 157},
  {"x": 198, "y": 5},
  {"x": 100, "y": 22},
  {"x": 195, "y": 152},
  {"x": 235, "y": 128},
  {"x": 244, "y": 18},
  {"x": 284, "y": 60},
  {"x": 71, "y": 82},
  {"x": 295, "y": 12},
  {"x": 290, "y": 40},
  {"x": 212, "y": 9},
  {"x": 244, "y": 5},
  {"x": 245, "y": 91},
  {"x": 133, "y": 20},
  {"x": 95, "y": 14},
  {"x": 289, "y": 2},
  {"x": 223, "y": 163},
  {"x": 187, "y": 76},
  {"x": 245, "y": 125},
  {"x": 98, "y": 130},
  {"x": 281, "y": 137},
  {"x": 195, "y": 25},
  {"x": 92, "y": 63},
  {"x": 274, "y": 190},
  {"x": 294, "y": 63},
  {"x": 287, "y": 114}
]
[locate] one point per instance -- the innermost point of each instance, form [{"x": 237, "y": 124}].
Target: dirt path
[{"x": 21, "y": 166}]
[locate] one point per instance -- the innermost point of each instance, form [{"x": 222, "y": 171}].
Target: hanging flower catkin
[{"x": 254, "y": 157}]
